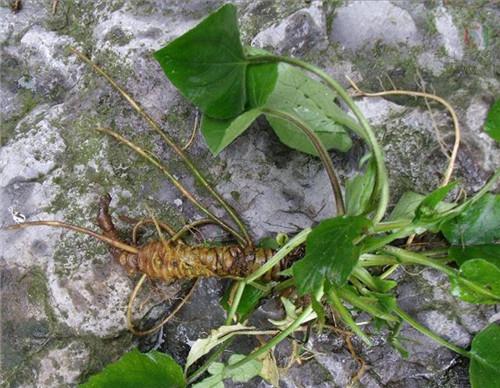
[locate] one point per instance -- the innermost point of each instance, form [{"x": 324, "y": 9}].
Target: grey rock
[
  {"x": 363, "y": 23},
  {"x": 65, "y": 298},
  {"x": 299, "y": 33},
  {"x": 450, "y": 35}
]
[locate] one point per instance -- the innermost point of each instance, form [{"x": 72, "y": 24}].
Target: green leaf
[
  {"x": 488, "y": 252},
  {"x": 427, "y": 209},
  {"x": 359, "y": 189},
  {"x": 261, "y": 79},
  {"x": 240, "y": 374},
  {"x": 207, "y": 64},
  {"x": 484, "y": 369},
  {"x": 249, "y": 301},
  {"x": 216, "y": 337},
  {"x": 492, "y": 124},
  {"x": 406, "y": 206},
  {"x": 481, "y": 273},
  {"x": 220, "y": 133},
  {"x": 478, "y": 224},
  {"x": 314, "y": 104},
  {"x": 330, "y": 253},
  {"x": 245, "y": 372},
  {"x": 135, "y": 369}
]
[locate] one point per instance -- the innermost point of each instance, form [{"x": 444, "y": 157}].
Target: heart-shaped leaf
[
  {"x": 220, "y": 133},
  {"x": 136, "y": 369},
  {"x": 208, "y": 66},
  {"x": 474, "y": 274},
  {"x": 488, "y": 252},
  {"x": 314, "y": 104},
  {"x": 492, "y": 125},
  {"x": 484, "y": 369},
  {"x": 478, "y": 224},
  {"x": 330, "y": 253}
]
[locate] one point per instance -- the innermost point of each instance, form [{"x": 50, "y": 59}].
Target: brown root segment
[{"x": 173, "y": 260}]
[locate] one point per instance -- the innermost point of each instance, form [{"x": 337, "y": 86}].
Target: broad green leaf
[
  {"x": 427, "y": 209},
  {"x": 484, "y": 369},
  {"x": 249, "y": 301},
  {"x": 488, "y": 252},
  {"x": 214, "y": 381},
  {"x": 481, "y": 273},
  {"x": 245, "y": 372},
  {"x": 478, "y": 224},
  {"x": 216, "y": 337},
  {"x": 492, "y": 125},
  {"x": 135, "y": 369},
  {"x": 314, "y": 104},
  {"x": 207, "y": 64},
  {"x": 406, "y": 206},
  {"x": 359, "y": 189},
  {"x": 261, "y": 79},
  {"x": 240, "y": 374},
  {"x": 220, "y": 133},
  {"x": 330, "y": 253}
]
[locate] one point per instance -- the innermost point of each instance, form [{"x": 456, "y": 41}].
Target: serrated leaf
[
  {"x": 484, "y": 369},
  {"x": 208, "y": 66},
  {"x": 492, "y": 124},
  {"x": 359, "y": 189},
  {"x": 216, "y": 337},
  {"x": 220, "y": 133},
  {"x": 488, "y": 252},
  {"x": 330, "y": 253},
  {"x": 136, "y": 369},
  {"x": 481, "y": 273},
  {"x": 478, "y": 224},
  {"x": 314, "y": 104}
]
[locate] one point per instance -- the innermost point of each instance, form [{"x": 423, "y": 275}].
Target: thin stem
[
  {"x": 280, "y": 255},
  {"x": 156, "y": 127},
  {"x": 236, "y": 301},
  {"x": 414, "y": 258},
  {"x": 172, "y": 179},
  {"x": 346, "y": 315},
  {"x": 456, "y": 124},
  {"x": 370, "y": 260},
  {"x": 320, "y": 149},
  {"x": 280, "y": 337},
  {"x": 58, "y": 224},
  {"x": 382, "y": 184},
  {"x": 424, "y": 330},
  {"x": 353, "y": 299},
  {"x": 214, "y": 356}
]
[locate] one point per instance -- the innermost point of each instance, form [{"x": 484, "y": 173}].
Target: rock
[
  {"x": 450, "y": 35},
  {"x": 302, "y": 32},
  {"x": 63, "y": 296},
  {"x": 363, "y": 23}
]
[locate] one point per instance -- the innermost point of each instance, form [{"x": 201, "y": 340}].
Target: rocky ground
[{"x": 63, "y": 299}]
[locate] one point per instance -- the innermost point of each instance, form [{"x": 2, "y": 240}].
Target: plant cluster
[{"x": 346, "y": 257}]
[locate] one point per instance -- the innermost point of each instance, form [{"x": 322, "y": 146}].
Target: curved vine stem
[
  {"x": 451, "y": 164},
  {"x": 322, "y": 152},
  {"x": 382, "y": 184},
  {"x": 171, "y": 143}
]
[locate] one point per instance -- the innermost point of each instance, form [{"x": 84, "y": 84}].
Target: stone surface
[
  {"x": 364, "y": 23},
  {"x": 64, "y": 301}
]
